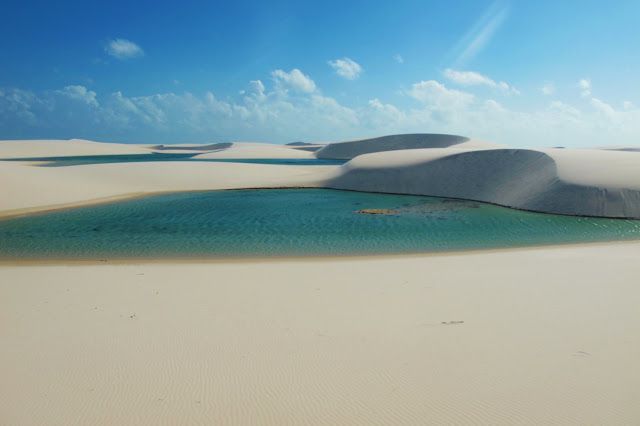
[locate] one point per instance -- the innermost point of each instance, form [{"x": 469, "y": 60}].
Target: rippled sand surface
[{"x": 531, "y": 336}]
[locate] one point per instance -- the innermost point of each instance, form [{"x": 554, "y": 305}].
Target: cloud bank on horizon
[
  {"x": 291, "y": 106},
  {"x": 478, "y": 91}
]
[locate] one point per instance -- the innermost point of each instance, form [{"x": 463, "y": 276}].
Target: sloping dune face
[
  {"x": 209, "y": 147},
  {"x": 351, "y": 149},
  {"x": 63, "y": 148},
  {"x": 520, "y": 178},
  {"x": 256, "y": 150}
]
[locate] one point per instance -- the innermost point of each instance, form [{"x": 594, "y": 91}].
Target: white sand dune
[
  {"x": 565, "y": 181},
  {"x": 351, "y": 149},
  {"x": 629, "y": 149},
  {"x": 568, "y": 181},
  {"x": 258, "y": 150},
  {"x": 306, "y": 146},
  {"x": 192, "y": 147},
  {"x": 26, "y": 188},
  {"x": 536, "y": 336},
  {"x": 65, "y": 148}
]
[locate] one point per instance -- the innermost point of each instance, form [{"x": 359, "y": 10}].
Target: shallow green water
[
  {"x": 289, "y": 222},
  {"x": 80, "y": 160}
]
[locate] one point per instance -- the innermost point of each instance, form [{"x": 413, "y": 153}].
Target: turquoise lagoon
[
  {"x": 286, "y": 222},
  {"x": 80, "y": 160}
]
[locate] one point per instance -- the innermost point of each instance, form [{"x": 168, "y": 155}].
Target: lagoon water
[
  {"x": 80, "y": 160},
  {"x": 279, "y": 222}
]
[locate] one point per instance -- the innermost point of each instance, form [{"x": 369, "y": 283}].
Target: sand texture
[{"x": 530, "y": 337}]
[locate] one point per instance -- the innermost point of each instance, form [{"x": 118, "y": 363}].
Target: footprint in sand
[{"x": 452, "y": 322}]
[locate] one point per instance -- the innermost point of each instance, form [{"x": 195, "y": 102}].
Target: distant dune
[
  {"x": 206, "y": 147},
  {"x": 564, "y": 181},
  {"x": 351, "y": 149},
  {"x": 25, "y": 188},
  {"x": 299, "y": 144},
  {"x": 590, "y": 182},
  {"x": 256, "y": 150},
  {"x": 64, "y": 148},
  {"x": 306, "y": 146}
]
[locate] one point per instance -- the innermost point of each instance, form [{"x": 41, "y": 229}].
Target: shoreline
[
  {"x": 30, "y": 211},
  {"x": 13, "y": 213},
  {"x": 5, "y": 262}
]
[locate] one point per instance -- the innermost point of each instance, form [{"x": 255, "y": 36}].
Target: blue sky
[{"x": 517, "y": 72}]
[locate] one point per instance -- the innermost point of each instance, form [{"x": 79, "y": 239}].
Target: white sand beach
[
  {"x": 535, "y": 336},
  {"x": 544, "y": 335}
]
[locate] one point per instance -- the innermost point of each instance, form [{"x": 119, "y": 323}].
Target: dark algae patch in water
[{"x": 290, "y": 222}]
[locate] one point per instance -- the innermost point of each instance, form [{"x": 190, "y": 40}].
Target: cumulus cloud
[
  {"x": 548, "y": 89},
  {"x": 346, "y": 68},
  {"x": 436, "y": 95},
  {"x": 80, "y": 93},
  {"x": 122, "y": 49},
  {"x": 18, "y": 106},
  {"x": 472, "y": 78},
  {"x": 295, "y": 79},
  {"x": 603, "y": 107},
  {"x": 585, "y": 87},
  {"x": 260, "y": 113},
  {"x": 290, "y": 107}
]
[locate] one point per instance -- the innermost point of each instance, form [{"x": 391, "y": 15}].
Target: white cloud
[
  {"x": 436, "y": 95},
  {"x": 398, "y": 58},
  {"x": 346, "y": 68},
  {"x": 294, "y": 79},
  {"x": 274, "y": 111},
  {"x": 603, "y": 107},
  {"x": 472, "y": 78},
  {"x": 564, "y": 109},
  {"x": 80, "y": 93},
  {"x": 256, "y": 91},
  {"x": 548, "y": 89},
  {"x": 259, "y": 113},
  {"x": 585, "y": 87},
  {"x": 121, "y": 48},
  {"x": 19, "y": 106}
]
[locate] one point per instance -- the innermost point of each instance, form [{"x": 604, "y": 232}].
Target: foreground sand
[{"x": 533, "y": 336}]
